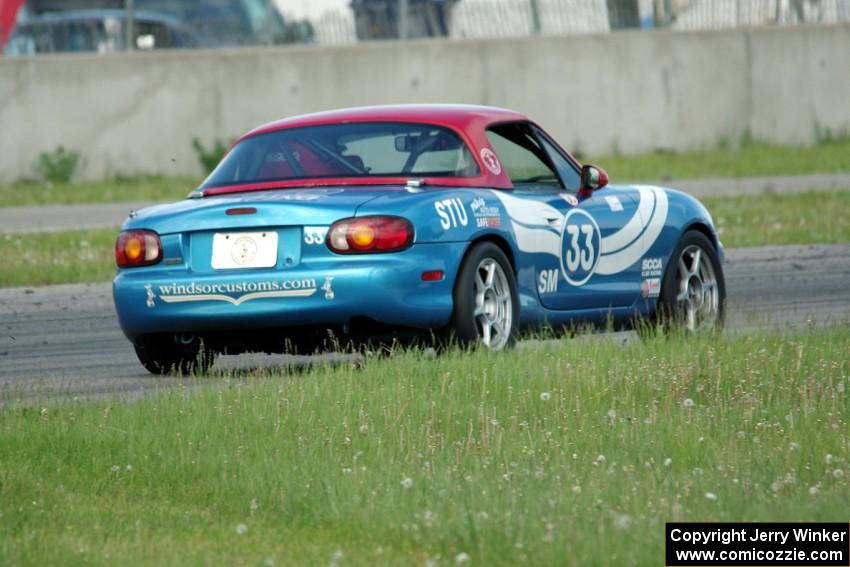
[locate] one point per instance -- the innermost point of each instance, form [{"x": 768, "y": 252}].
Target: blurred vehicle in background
[
  {"x": 100, "y": 31},
  {"x": 379, "y": 19},
  {"x": 96, "y": 25}
]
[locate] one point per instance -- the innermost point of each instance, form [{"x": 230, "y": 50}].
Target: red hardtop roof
[
  {"x": 457, "y": 116},
  {"x": 469, "y": 121}
]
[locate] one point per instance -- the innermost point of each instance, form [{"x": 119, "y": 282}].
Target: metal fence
[
  {"x": 46, "y": 26},
  {"x": 362, "y": 20}
]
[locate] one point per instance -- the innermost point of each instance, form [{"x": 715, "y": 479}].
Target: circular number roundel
[
  {"x": 491, "y": 161},
  {"x": 580, "y": 242}
]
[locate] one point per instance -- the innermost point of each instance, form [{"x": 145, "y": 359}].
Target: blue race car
[{"x": 402, "y": 221}]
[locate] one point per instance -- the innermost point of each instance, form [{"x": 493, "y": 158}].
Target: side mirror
[{"x": 593, "y": 178}]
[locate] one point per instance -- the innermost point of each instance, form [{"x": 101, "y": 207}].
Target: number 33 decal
[{"x": 580, "y": 240}]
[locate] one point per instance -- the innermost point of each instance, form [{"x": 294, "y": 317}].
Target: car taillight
[
  {"x": 365, "y": 235},
  {"x": 137, "y": 248}
]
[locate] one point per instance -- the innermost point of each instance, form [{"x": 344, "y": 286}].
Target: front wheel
[
  {"x": 486, "y": 307},
  {"x": 693, "y": 292},
  {"x": 173, "y": 354}
]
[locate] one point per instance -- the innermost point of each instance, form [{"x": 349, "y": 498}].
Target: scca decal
[{"x": 452, "y": 213}]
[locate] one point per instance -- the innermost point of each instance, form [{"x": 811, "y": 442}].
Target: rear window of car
[{"x": 346, "y": 150}]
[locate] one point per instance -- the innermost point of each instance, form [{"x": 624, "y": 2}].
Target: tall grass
[
  {"x": 750, "y": 158},
  {"x": 572, "y": 454}
]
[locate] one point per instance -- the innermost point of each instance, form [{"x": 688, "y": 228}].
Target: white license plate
[{"x": 238, "y": 250}]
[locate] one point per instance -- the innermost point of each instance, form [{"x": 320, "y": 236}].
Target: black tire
[
  {"x": 705, "y": 285},
  {"x": 168, "y": 354},
  {"x": 500, "y": 301}
]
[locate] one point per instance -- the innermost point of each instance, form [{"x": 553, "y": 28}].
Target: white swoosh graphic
[
  {"x": 632, "y": 229},
  {"x": 532, "y": 213},
  {"x": 618, "y": 251},
  {"x": 622, "y": 259},
  {"x": 238, "y": 300},
  {"x": 537, "y": 240}
]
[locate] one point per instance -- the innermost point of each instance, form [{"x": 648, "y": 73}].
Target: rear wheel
[
  {"x": 693, "y": 293},
  {"x": 486, "y": 308},
  {"x": 173, "y": 354}
]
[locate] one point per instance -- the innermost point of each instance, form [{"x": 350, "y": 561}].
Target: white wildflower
[
  {"x": 407, "y": 483},
  {"x": 461, "y": 558},
  {"x": 545, "y": 396},
  {"x": 710, "y": 496},
  {"x": 241, "y": 528},
  {"x": 622, "y": 521},
  {"x": 612, "y": 413},
  {"x": 829, "y": 459},
  {"x": 838, "y": 473},
  {"x": 813, "y": 490},
  {"x": 688, "y": 403}
]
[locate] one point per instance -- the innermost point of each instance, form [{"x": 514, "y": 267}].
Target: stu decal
[{"x": 452, "y": 213}]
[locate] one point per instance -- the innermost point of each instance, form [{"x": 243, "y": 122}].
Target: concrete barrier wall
[{"x": 629, "y": 92}]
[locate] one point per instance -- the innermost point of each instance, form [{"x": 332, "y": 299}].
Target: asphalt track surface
[{"x": 63, "y": 342}]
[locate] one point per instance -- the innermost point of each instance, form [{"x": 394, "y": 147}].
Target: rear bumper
[{"x": 328, "y": 291}]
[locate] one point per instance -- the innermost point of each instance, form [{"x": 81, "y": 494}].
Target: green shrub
[
  {"x": 209, "y": 158},
  {"x": 59, "y": 165}
]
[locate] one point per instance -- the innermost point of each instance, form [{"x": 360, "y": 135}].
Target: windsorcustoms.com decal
[{"x": 236, "y": 293}]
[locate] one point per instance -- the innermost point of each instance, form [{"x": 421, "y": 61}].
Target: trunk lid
[{"x": 276, "y": 208}]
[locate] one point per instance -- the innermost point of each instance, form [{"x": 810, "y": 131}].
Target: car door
[{"x": 569, "y": 237}]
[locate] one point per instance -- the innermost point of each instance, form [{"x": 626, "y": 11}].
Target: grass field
[
  {"x": 803, "y": 218},
  {"x": 79, "y": 256},
  {"x": 750, "y": 159},
  {"x": 87, "y": 256},
  {"x": 139, "y": 189},
  {"x": 572, "y": 454}
]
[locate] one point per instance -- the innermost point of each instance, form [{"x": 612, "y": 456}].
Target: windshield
[{"x": 346, "y": 150}]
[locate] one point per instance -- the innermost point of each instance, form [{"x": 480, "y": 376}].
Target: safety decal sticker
[
  {"x": 651, "y": 288},
  {"x": 486, "y": 216},
  {"x": 491, "y": 161},
  {"x": 614, "y": 203},
  {"x": 571, "y": 199}
]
